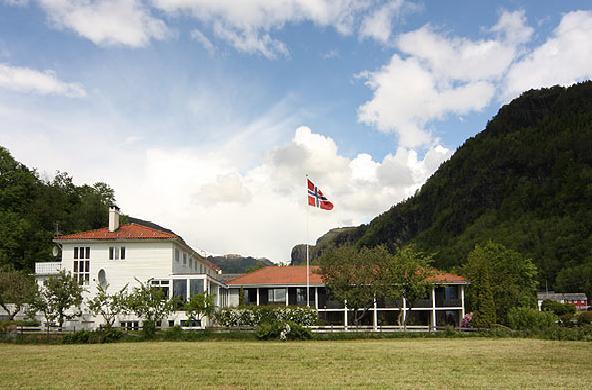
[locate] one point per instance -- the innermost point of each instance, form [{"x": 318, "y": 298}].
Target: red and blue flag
[{"x": 316, "y": 197}]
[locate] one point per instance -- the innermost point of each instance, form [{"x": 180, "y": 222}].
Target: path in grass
[{"x": 402, "y": 363}]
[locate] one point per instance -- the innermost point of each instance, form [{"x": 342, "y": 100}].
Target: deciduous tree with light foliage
[
  {"x": 352, "y": 275},
  {"x": 109, "y": 306},
  {"x": 359, "y": 276},
  {"x": 406, "y": 275},
  {"x": 59, "y": 298},
  {"x": 150, "y": 304},
  {"x": 200, "y": 306},
  {"x": 16, "y": 289}
]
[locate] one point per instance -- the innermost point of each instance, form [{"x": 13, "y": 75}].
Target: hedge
[{"x": 256, "y": 315}]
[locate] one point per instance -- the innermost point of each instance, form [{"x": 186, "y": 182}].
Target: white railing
[{"x": 48, "y": 268}]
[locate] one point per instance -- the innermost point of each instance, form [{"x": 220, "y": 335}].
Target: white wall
[{"x": 143, "y": 261}]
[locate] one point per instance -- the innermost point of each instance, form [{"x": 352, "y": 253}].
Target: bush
[
  {"x": 257, "y": 315},
  {"x": 283, "y": 331},
  {"x": 563, "y": 310},
  {"x": 80, "y": 337},
  {"x": 99, "y": 336},
  {"x": 585, "y": 318},
  {"x": 523, "y": 318}
]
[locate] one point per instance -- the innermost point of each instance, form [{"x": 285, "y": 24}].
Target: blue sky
[{"x": 204, "y": 116}]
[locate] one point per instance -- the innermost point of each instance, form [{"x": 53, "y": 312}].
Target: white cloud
[
  {"x": 208, "y": 193},
  {"x": 252, "y": 42},
  {"x": 378, "y": 24},
  {"x": 407, "y": 96},
  {"x": 23, "y": 79},
  {"x": 203, "y": 40},
  {"x": 247, "y": 25},
  {"x": 564, "y": 58},
  {"x": 107, "y": 22},
  {"x": 437, "y": 75},
  {"x": 228, "y": 188},
  {"x": 512, "y": 27}
]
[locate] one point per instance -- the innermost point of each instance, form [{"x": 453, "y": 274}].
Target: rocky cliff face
[{"x": 329, "y": 239}]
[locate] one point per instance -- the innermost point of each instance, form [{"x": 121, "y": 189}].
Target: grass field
[{"x": 402, "y": 363}]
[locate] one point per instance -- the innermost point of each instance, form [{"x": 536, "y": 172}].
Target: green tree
[
  {"x": 109, "y": 306},
  {"x": 151, "y": 305},
  {"x": 480, "y": 293},
  {"x": 405, "y": 275},
  {"x": 59, "y": 298},
  {"x": 16, "y": 289},
  {"x": 200, "y": 306},
  {"x": 353, "y": 276}
]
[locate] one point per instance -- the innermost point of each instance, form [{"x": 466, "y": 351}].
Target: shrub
[
  {"x": 585, "y": 318},
  {"x": 284, "y": 331},
  {"x": 565, "y": 311},
  {"x": 256, "y": 315},
  {"x": 523, "y": 318}
]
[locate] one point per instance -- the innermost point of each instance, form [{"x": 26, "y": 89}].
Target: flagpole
[{"x": 307, "y": 257}]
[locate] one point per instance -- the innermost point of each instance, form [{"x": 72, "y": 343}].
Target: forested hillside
[
  {"x": 525, "y": 182},
  {"x": 33, "y": 209}
]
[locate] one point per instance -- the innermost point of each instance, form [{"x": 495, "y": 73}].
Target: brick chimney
[{"x": 113, "y": 218}]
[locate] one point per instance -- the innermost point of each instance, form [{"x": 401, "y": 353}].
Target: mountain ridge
[{"x": 523, "y": 181}]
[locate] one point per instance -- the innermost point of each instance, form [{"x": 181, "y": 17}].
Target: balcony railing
[{"x": 49, "y": 268}]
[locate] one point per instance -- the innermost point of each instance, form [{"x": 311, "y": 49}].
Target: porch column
[
  {"x": 316, "y": 298},
  {"x": 345, "y": 314},
  {"x": 462, "y": 302},
  {"x": 404, "y": 310},
  {"x": 288, "y": 296},
  {"x": 257, "y": 296},
  {"x": 375, "y": 316},
  {"x": 434, "y": 308}
]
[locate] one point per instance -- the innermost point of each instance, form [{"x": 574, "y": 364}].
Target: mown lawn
[{"x": 401, "y": 363}]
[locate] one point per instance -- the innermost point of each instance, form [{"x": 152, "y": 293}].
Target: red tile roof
[
  {"x": 131, "y": 231},
  {"x": 445, "y": 277},
  {"x": 296, "y": 274},
  {"x": 274, "y": 274}
]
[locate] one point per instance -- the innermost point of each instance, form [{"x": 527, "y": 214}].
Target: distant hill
[
  {"x": 237, "y": 264},
  {"x": 525, "y": 182}
]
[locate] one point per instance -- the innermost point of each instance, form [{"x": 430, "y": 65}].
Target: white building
[{"x": 128, "y": 254}]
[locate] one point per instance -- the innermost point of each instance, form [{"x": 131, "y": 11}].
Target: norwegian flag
[{"x": 316, "y": 197}]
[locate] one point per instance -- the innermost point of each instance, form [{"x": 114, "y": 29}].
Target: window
[
  {"x": 82, "y": 271},
  {"x": 162, "y": 285},
  {"x": 180, "y": 293},
  {"x": 81, "y": 252},
  {"x": 184, "y": 258},
  {"x": 130, "y": 325},
  {"x": 196, "y": 286},
  {"x": 200, "y": 268},
  {"x": 177, "y": 255},
  {"x": 115, "y": 251},
  {"x": 180, "y": 289},
  {"x": 276, "y": 296},
  {"x": 191, "y": 262}
]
